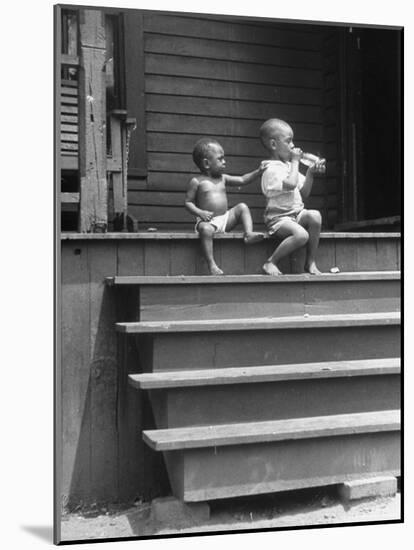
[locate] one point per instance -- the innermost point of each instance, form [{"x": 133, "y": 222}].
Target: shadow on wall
[{"x": 104, "y": 459}]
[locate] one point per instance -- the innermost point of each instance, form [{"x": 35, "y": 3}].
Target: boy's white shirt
[
  {"x": 274, "y": 176},
  {"x": 279, "y": 201}
]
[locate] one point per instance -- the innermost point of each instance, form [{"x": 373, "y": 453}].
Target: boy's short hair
[
  {"x": 201, "y": 149},
  {"x": 268, "y": 126}
]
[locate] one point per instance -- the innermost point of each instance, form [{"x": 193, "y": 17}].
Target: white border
[{"x": 27, "y": 204}]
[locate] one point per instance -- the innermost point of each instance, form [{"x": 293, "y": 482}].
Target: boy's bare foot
[
  {"x": 215, "y": 270},
  {"x": 270, "y": 269},
  {"x": 253, "y": 237},
  {"x": 312, "y": 269}
]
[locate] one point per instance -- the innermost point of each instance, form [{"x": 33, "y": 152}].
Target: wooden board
[
  {"x": 92, "y": 119},
  {"x": 262, "y": 323},
  {"x": 270, "y": 373},
  {"x": 103, "y": 375},
  {"x": 222, "y": 349},
  {"x": 133, "y": 39},
  {"x": 233, "y": 146},
  {"x": 162, "y": 303},
  {"x": 202, "y": 87},
  {"x": 280, "y": 466},
  {"x": 237, "y": 52},
  {"x": 74, "y": 374},
  {"x": 253, "y": 110},
  {"x": 222, "y": 126},
  {"x": 250, "y": 433},
  {"x": 248, "y": 279},
  {"x": 130, "y": 258},
  {"x": 232, "y": 30},
  {"x": 254, "y": 402},
  {"x": 235, "y": 72}
]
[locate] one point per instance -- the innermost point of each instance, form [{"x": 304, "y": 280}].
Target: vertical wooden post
[{"x": 92, "y": 123}]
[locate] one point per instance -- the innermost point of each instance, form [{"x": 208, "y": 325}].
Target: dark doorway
[{"x": 381, "y": 124}]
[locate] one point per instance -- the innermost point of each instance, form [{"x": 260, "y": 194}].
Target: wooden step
[
  {"x": 177, "y": 253},
  {"x": 241, "y": 296},
  {"x": 183, "y": 345},
  {"x": 268, "y": 373},
  {"x": 142, "y": 280},
  {"x": 211, "y": 462},
  {"x": 274, "y": 392},
  {"x": 261, "y": 323},
  {"x": 174, "y": 439}
]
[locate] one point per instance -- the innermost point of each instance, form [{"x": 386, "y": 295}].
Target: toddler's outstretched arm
[{"x": 246, "y": 178}]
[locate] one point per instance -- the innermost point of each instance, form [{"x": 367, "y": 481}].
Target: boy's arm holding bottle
[{"x": 315, "y": 165}]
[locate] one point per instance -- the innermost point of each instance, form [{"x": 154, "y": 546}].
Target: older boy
[
  {"x": 207, "y": 199},
  {"x": 285, "y": 188}
]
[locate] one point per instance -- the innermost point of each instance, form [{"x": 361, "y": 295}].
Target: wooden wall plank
[
  {"x": 231, "y": 349},
  {"x": 242, "y": 52},
  {"x": 103, "y": 372},
  {"x": 233, "y": 145},
  {"x": 326, "y": 260},
  {"x": 92, "y": 122},
  {"x": 229, "y": 108},
  {"x": 183, "y": 257},
  {"x": 130, "y": 258},
  {"x": 225, "y": 404},
  {"x": 231, "y": 255},
  {"x": 346, "y": 255},
  {"x": 255, "y": 33},
  {"x": 215, "y": 126},
  {"x": 235, "y": 72},
  {"x": 75, "y": 376},
  {"x": 135, "y": 90},
  {"x": 157, "y": 254},
  {"x": 254, "y": 258},
  {"x": 209, "y": 88}
]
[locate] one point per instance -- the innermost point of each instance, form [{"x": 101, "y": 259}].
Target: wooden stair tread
[
  {"x": 267, "y": 373},
  {"x": 275, "y": 430},
  {"x": 246, "y": 279},
  {"x": 262, "y": 323},
  {"x": 191, "y": 235}
]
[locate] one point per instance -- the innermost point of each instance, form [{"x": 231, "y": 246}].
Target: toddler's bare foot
[
  {"x": 270, "y": 269},
  {"x": 253, "y": 237},
  {"x": 215, "y": 270},
  {"x": 312, "y": 269}
]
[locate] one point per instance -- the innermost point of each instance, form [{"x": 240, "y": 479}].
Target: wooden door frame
[{"x": 349, "y": 135}]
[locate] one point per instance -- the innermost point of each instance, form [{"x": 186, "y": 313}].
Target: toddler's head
[
  {"x": 277, "y": 137},
  {"x": 208, "y": 155}
]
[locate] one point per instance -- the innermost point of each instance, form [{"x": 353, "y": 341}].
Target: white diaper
[{"x": 219, "y": 222}]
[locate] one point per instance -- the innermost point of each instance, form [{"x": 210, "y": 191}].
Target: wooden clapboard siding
[
  {"x": 234, "y": 146},
  {"x": 211, "y": 88},
  {"x": 234, "y": 71},
  {"x": 290, "y": 36},
  {"x": 222, "y": 49},
  {"x": 229, "y": 108},
  {"x": 222, "y": 77}
]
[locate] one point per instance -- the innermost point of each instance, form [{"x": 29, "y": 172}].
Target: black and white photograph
[
  {"x": 205, "y": 274},
  {"x": 228, "y": 210}
]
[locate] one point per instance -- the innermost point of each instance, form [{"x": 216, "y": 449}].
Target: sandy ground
[{"x": 270, "y": 512}]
